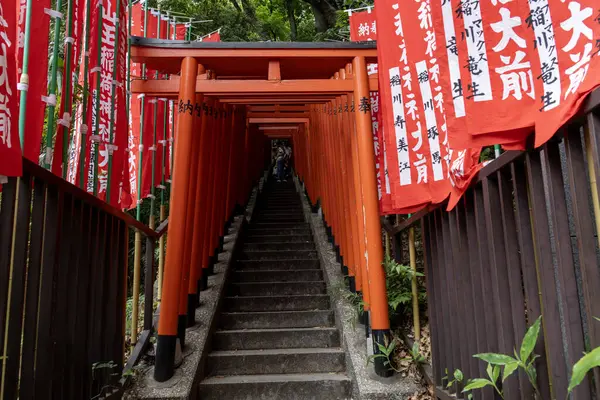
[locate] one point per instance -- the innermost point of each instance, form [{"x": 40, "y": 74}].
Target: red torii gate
[{"x": 272, "y": 84}]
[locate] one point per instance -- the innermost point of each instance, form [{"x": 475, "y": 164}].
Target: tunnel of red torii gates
[{"x": 232, "y": 100}]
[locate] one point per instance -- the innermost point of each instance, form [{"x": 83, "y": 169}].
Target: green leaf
[
  {"x": 490, "y": 371},
  {"x": 382, "y": 349},
  {"x": 496, "y": 373},
  {"x": 458, "y": 375},
  {"x": 477, "y": 384},
  {"x": 530, "y": 339},
  {"x": 496, "y": 359},
  {"x": 583, "y": 366},
  {"x": 392, "y": 347},
  {"x": 509, "y": 369}
]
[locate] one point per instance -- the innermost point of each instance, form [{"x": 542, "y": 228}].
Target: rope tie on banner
[
  {"x": 3, "y": 179},
  {"x": 162, "y": 99},
  {"x": 163, "y": 142},
  {"x": 162, "y": 187},
  {"x": 50, "y": 100},
  {"x": 96, "y": 69},
  {"x": 65, "y": 120},
  {"x": 22, "y": 86},
  {"x": 111, "y": 148},
  {"x": 48, "y": 156},
  {"x": 53, "y": 13},
  {"x": 170, "y": 139},
  {"x": 151, "y": 196},
  {"x": 117, "y": 83},
  {"x": 141, "y": 95},
  {"x": 83, "y": 130},
  {"x": 69, "y": 40},
  {"x": 140, "y": 201},
  {"x": 141, "y": 148},
  {"x": 95, "y": 138},
  {"x": 152, "y": 148},
  {"x": 168, "y": 180},
  {"x": 152, "y": 101}
]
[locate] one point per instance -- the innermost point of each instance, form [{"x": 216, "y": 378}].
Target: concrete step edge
[
  {"x": 275, "y": 352},
  {"x": 278, "y": 330},
  {"x": 275, "y": 378}
]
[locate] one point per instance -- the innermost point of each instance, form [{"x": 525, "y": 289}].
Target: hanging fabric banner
[
  {"x": 37, "y": 72},
  {"x": 524, "y": 65},
  {"x": 212, "y": 37},
  {"x": 363, "y": 26},
  {"x": 180, "y": 31},
  {"x": 65, "y": 119},
  {"x": 414, "y": 120},
  {"x": 10, "y": 146},
  {"x": 150, "y": 106}
]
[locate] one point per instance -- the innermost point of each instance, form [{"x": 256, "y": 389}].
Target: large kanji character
[
  {"x": 576, "y": 24},
  {"x": 507, "y": 26}
]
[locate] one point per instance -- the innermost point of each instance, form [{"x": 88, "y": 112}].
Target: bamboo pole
[
  {"x": 111, "y": 125},
  {"x": 24, "y": 80},
  {"x": 155, "y": 119},
  {"x": 51, "y": 99},
  {"x": 415, "y": 292},
  {"x": 98, "y": 83},
  {"x": 67, "y": 95},
  {"x": 84, "y": 127},
  {"x": 138, "y": 236}
]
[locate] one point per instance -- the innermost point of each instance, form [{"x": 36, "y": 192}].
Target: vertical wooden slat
[
  {"x": 96, "y": 344},
  {"x": 16, "y": 288},
  {"x": 513, "y": 270},
  {"x": 7, "y": 210},
  {"x": 477, "y": 292},
  {"x": 108, "y": 317},
  {"x": 543, "y": 253},
  {"x": 553, "y": 180},
  {"x": 83, "y": 301},
  {"x": 585, "y": 232},
  {"x": 33, "y": 290},
  {"x": 52, "y": 230},
  {"x": 485, "y": 273},
  {"x": 113, "y": 322},
  {"x": 433, "y": 303},
  {"x": 460, "y": 293},
  {"x": 72, "y": 370},
  {"x": 528, "y": 267},
  {"x": 149, "y": 284},
  {"x": 468, "y": 288},
  {"x": 62, "y": 271}
]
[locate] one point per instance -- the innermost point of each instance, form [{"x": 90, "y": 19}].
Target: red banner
[
  {"x": 10, "y": 147},
  {"x": 524, "y": 65},
  {"x": 414, "y": 120},
  {"x": 37, "y": 71},
  {"x": 211, "y": 37},
  {"x": 65, "y": 118},
  {"x": 180, "y": 31},
  {"x": 363, "y": 26}
]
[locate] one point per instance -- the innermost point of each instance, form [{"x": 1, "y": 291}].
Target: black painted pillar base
[
  {"x": 181, "y": 327},
  {"x": 344, "y": 270},
  {"x": 192, "y": 304},
  {"x": 367, "y": 323},
  {"x": 338, "y": 257},
  {"x": 212, "y": 262},
  {"x": 238, "y": 210},
  {"x": 221, "y": 244},
  {"x": 351, "y": 283},
  {"x": 362, "y": 317},
  {"x": 204, "y": 279},
  {"x": 164, "y": 368},
  {"x": 199, "y": 288},
  {"x": 381, "y": 336}
]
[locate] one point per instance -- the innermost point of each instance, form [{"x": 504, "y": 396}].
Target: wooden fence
[
  {"x": 521, "y": 243},
  {"x": 63, "y": 288}
]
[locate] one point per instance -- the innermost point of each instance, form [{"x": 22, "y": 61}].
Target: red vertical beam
[{"x": 168, "y": 321}]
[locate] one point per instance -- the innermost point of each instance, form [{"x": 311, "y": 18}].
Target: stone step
[
  {"x": 275, "y": 288},
  {"x": 304, "y": 275},
  {"x": 271, "y": 230},
  {"x": 277, "y": 303},
  {"x": 277, "y": 386},
  {"x": 278, "y": 255},
  {"x": 253, "y": 339},
  {"x": 281, "y": 265},
  {"x": 275, "y": 361},
  {"x": 278, "y": 239},
  {"x": 278, "y": 225},
  {"x": 279, "y": 319},
  {"x": 278, "y": 246},
  {"x": 276, "y": 219},
  {"x": 280, "y": 208}
]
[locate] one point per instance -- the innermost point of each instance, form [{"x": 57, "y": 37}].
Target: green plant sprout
[
  {"x": 525, "y": 360},
  {"x": 584, "y": 365}
]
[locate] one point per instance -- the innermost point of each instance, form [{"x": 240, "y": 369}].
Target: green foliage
[
  {"x": 415, "y": 354},
  {"x": 584, "y": 365},
  {"x": 525, "y": 360},
  {"x": 399, "y": 290},
  {"x": 386, "y": 352}
]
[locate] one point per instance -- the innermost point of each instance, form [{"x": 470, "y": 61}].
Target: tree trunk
[
  {"x": 325, "y": 14},
  {"x": 292, "y": 18}
]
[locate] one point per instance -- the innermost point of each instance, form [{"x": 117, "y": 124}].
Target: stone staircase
[{"x": 276, "y": 335}]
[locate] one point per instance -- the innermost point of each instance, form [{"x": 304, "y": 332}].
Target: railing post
[
  {"x": 380, "y": 322},
  {"x": 169, "y": 308},
  {"x": 149, "y": 284},
  {"x": 136, "y": 286}
]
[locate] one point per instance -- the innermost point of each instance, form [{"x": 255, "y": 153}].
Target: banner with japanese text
[
  {"x": 363, "y": 26},
  {"x": 10, "y": 146},
  {"x": 65, "y": 118},
  {"x": 424, "y": 168},
  {"x": 37, "y": 72},
  {"x": 525, "y": 65}
]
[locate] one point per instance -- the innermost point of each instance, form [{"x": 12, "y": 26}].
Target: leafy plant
[
  {"x": 583, "y": 366},
  {"x": 399, "y": 290},
  {"x": 458, "y": 378},
  {"x": 525, "y": 360},
  {"x": 339, "y": 290},
  {"x": 415, "y": 354},
  {"x": 387, "y": 354}
]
